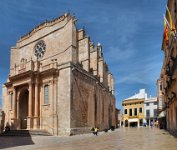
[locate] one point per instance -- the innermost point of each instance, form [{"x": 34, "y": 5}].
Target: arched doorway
[{"x": 23, "y": 108}]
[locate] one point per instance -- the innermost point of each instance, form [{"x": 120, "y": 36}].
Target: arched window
[{"x": 46, "y": 94}]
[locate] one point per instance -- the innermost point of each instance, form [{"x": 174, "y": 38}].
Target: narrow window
[
  {"x": 147, "y": 104},
  {"x": 135, "y": 111},
  {"x": 155, "y": 113},
  {"x": 140, "y": 110},
  {"x": 147, "y": 113},
  {"x": 130, "y": 112},
  {"x": 46, "y": 94},
  {"x": 125, "y": 111},
  {"x": 160, "y": 87}
]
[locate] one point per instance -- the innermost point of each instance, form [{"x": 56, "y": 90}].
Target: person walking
[
  {"x": 96, "y": 131},
  {"x": 144, "y": 124},
  {"x": 151, "y": 124}
]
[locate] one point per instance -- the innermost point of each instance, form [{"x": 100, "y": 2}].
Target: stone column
[
  {"x": 14, "y": 109},
  {"x": 36, "y": 99},
  {"x": 29, "y": 119},
  {"x": 17, "y": 108},
  {"x": 30, "y": 101},
  {"x": 18, "y": 120},
  {"x": 10, "y": 100},
  {"x": 14, "y": 103},
  {"x": 138, "y": 123},
  {"x": 53, "y": 105},
  {"x": 36, "y": 116},
  {"x": 40, "y": 113}
]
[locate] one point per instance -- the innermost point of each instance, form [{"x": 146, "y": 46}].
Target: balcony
[
  {"x": 31, "y": 66},
  {"x": 52, "y": 65},
  {"x": 21, "y": 68}
]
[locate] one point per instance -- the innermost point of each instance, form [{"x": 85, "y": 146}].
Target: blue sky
[{"x": 130, "y": 32}]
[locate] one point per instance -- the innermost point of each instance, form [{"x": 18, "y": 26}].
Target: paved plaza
[{"x": 120, "y": 139}]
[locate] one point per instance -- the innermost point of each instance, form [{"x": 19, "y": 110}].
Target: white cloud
[
  {"x": 115, "y": 54},
  {"x": 141, "y": 74}
]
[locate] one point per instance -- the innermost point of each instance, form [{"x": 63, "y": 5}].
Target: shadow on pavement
[
  {"x": 13, "y": 140},
  {"x": 11, "y": 137},
  {"x": 174, "y": 134}
]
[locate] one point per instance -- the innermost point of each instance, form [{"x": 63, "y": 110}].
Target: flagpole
[
  {"x": 170, "y": 17},
  {"x": 167, "y": 22}
]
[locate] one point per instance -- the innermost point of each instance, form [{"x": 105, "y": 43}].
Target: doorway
[
  {"x": 23, "y": 108},
  {"x": 133, "y": 124}
]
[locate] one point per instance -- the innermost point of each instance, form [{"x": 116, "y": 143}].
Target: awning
[
  {"x": 162, "y": 114},
  {"x": 133, "y": 120}
]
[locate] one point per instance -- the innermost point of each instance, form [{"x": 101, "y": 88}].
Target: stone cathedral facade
[{"x": 58, "y": 81}]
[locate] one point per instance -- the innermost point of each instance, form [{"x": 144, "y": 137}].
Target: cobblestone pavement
[{"x": 120, "y": 139}]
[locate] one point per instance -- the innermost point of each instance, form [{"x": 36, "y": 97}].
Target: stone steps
[{"x": 26, "y": 133}]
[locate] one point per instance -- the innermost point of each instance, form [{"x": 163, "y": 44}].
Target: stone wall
[
  {"x": 64, "y": 101},
  {"x": 91, "y": 105}
]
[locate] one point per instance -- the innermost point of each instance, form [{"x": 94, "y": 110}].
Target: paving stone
[{"x": 120, "y": 139}]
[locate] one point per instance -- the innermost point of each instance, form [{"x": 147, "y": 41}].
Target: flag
[{"x": 165, "y": 34}]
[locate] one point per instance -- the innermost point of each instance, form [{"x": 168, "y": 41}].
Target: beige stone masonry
[{"x": 65, "y": 91}]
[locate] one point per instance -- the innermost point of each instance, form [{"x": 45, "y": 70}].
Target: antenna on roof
[{"x": 98, "y": 44}]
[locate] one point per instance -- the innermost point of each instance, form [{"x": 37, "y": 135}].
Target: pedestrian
[
  {"x": 96, "y": 131},
  {"x": 151, "y": 124},
  {"x": 157, "y": 124},
  {"x": 144, "y": 124},
  {"x": 93, "y": 130}
]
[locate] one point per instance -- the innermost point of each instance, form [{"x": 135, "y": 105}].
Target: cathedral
[{"x": 58, "y": 81}]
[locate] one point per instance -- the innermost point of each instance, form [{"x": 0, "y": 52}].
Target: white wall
[{"x": 151, "y": 106}]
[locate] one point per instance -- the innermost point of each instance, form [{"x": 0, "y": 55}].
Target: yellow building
[
  {"x": 133, "y": 109},
  {"x": 133, "y": 112}
]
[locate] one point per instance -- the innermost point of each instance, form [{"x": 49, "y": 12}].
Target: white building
[
  {"x": 141, "y": 95},
  {"x": 150, "y": 110}
]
